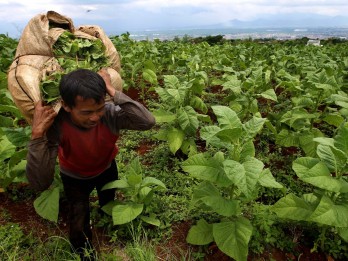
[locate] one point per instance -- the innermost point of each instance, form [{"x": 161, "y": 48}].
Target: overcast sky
[{"x": 128, "y": 15}]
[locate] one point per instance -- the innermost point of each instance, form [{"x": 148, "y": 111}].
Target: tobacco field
[{"x": 248, "y": 159}]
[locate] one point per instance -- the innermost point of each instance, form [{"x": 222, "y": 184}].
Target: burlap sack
[{"x": 34, "y": 58}]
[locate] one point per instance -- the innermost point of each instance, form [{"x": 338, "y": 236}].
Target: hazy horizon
[{"x": 135, "y": 15}]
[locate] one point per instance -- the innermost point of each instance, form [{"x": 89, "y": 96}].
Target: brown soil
[
  {"x": 23, "y": 213},
  {"x": 136, "y": 95}
]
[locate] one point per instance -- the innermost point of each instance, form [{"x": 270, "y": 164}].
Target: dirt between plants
[{"x": 22, "y": 212}]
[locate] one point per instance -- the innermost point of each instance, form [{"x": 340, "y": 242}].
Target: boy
[{"x": 83, "y": 136}]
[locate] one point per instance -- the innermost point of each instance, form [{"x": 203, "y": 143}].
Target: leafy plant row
[
  {"x": 294, "y": 96},
  {"x": 260, "y": 126}
]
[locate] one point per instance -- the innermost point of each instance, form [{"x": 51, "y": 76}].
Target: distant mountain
[{"x": 291, "y": 20}]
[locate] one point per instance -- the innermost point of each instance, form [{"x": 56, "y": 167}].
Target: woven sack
[{"x": 34, "y": 58}]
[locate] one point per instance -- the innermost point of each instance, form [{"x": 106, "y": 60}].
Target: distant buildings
[{"x": 314, "y": 42}]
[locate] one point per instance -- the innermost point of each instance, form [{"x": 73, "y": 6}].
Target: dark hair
[{"x": 84, "y": 83}]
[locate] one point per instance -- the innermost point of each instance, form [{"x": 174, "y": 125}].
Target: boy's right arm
[
  {"x": 41, "y": 162},
  {"x": 42, "y": 148}
]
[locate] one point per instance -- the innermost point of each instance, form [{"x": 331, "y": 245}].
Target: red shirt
[{"x": 86, "y": 152}]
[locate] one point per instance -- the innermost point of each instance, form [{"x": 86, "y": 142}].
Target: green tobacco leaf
[
  {"x": 341, "y": 139},
  {"x": 334, "y": 119},
  {"x": 19, "y": 136},
  {"x": 200, "y": 234},
  {"x": 303, "y": 101},
  {"x": 254, "y": 107},
  {"x": 233, "y": 237},
  {"x": 107, "y": 208},
  {"x": 176, "y": 95},
  {"x": 270, "y": 95},
  {"x": 120, "y": 184},
  {"x": 266, "y": 179},
  {"x": 293, "y": 116},
  {"x": 150, "y": 76},
  {"x": 233, "y": 85},
  {"x": 209, "y": 134},
  {"x": 253, "y": 168},
  {"x": 229, "y": 135},
  {"x": 204, "y": 118},
  {"x": 175, "y": 139},
  {"x": 270, "y": 126},
  {"x": 198, "y": 104},
  {"x": 308, "y": 143},
  {"x": 11, "y": 109},
  {"x": 325, "y": 141},
  {"x": 47, "y": 204},
  {"x": 236, "y": 106},
  {"x": 150, "y": 181},
  {"x": 293, "y": 207},
  {"x": 219, "y": 156},
  {"x": 164, "y": 95},
  {"x": 7, "y": 149},
  {"x": 122, "y": 214},
  {"x": 328, "y": 213},
  {"x": 187, "y": 118},
  {"x": 171, "y": 81},
  {"x": 162, "y": 134},
  {"x": 145, "y": 195},
  {"x": 204, "y": 168},
  {"x": 342, "y": 104},
  {"x": 17, "y": 157},
  {"x": 189, "y": 147},
  {"x": 334, "y": 159},
  {"x": 151, "y": 220},
  {"x": 253, "y": 127},
  {"x": 287, "y": 139},
  {"x": 222, "y": 206},
  {"x": 50, "y": 88},
  {"x": 163, "y": 116},
  {"x": 227, "y": 118},
  {"x": 6, "y": 121},
  {"x": 203, "y": 190},
  {"x": 248, "y": 150},
  {"x": 134, "y": 179},
  {"x": 209, "y": 195},
  {"x": 235, "y": 172},
  {"x": 198, "y": 85},
  {"x": 315, "y": 172},
  {"x": 244, "y": 176},
  {"x": 17, "y": 172},
  {"x": 343, "y": 232},
  {"x": 134, "y": 168},
  {"x": 73, "y": 52}
]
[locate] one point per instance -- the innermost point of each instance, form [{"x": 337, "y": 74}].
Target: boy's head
[
  {"x": 84, "y": 83},
  {"x": 83, "y": 94}
]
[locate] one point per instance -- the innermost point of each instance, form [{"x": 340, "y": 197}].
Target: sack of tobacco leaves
[{"x": 50, "y": 46}]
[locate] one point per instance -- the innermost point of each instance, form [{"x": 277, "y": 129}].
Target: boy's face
[{"x": 86, "y": 113}]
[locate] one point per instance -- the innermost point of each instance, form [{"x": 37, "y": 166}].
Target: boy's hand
[
  {"x": 43, "y": 119},
  {"x": 107, "y": 79}
]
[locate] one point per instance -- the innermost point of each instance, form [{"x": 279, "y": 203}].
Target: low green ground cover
[{"x": 249, "y": 152}]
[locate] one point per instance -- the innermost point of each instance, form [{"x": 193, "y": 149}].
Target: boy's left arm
[{"x": 125, "y": 113}]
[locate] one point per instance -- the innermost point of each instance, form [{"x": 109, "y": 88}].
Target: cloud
[
  {"x": 140, "y": 14},
  {"x": 20, "y": 10},
  {"x": 220, "y": 10}
]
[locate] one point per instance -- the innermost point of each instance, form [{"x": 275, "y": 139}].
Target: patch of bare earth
[{"x": 23, "y": 213}]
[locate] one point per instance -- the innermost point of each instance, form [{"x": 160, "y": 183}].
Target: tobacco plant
[
  {"x": 13, "y": 139},
  {"x": 229, "y": 181},
  {"x": 177, "y": 113},
  {"x": 327, "y": 204},
  {"x": 138, "y": 192}
]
